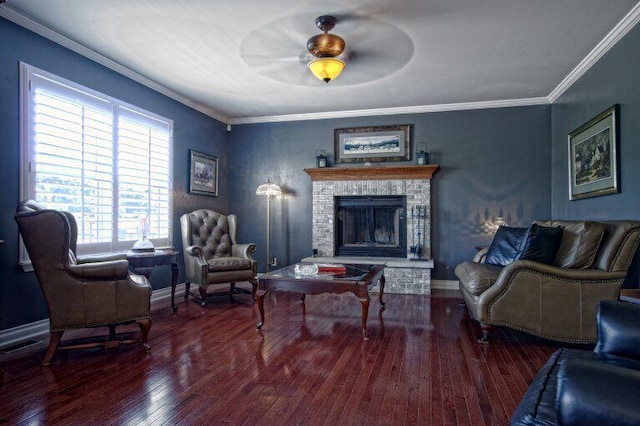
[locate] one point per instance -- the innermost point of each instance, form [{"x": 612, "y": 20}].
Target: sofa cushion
[
  {"x": 505, "y": 246},
  {"x": 580, "y": 242},
  {"x": 541, "y": 244},
  {"x": 477, "y": 277},
  {"x": 228, "y": 263}
]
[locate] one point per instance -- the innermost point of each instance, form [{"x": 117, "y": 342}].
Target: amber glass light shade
[{"x": 326, "y": 69}]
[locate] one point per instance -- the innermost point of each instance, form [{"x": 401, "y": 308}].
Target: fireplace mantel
[{"x": 372, "y": 173}]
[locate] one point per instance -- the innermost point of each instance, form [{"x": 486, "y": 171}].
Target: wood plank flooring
[{"x": 308, "y": 365}]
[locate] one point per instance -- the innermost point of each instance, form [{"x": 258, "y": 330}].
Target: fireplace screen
[{"x": 371, "y": 226}]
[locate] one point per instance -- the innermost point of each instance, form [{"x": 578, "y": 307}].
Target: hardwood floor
[{"x": 308, "y": 365}]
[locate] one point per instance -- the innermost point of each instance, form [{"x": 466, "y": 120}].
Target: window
[{"x": 106, "y": 162}]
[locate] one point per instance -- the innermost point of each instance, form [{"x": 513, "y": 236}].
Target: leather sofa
[
  {"x": 585, "y": 388},
  {"x": 556, "y": 300},
  {"x": 212, "y": 255}
]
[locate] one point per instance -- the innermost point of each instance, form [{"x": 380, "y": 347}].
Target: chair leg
[
  {"x": 232, "y": 290},
  {"x": 54, "y": 341},
  {"x": 254, "y": 284},
  {"x": 187, "y": 287},
  {"x": 145, "y": 326},
  {"x": 203, "y": 295},
  {"x": 485, "y": 334}
]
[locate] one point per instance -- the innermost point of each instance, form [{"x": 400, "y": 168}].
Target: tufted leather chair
[
  {"x": 211, "y": 254},
  {"x": 81, "y": 292}
]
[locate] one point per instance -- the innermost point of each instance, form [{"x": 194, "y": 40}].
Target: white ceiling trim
[
  {"x": 619, "y": 31},
  {"x": 393, "y": 111},
  {"x": 64, "y": 41}
]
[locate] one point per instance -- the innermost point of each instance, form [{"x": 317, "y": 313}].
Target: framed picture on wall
[
  {"x": 369, "y": 144},
  {"x": 203, "y": 175},
  {"x": 594, "y": 156}
]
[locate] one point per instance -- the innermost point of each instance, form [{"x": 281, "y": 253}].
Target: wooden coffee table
[{"x": 357, "y": 279}]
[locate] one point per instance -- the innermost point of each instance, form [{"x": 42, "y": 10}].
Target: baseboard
[
  {"x": 445, "y": 284},
  {"x": 39, "y": 330}
]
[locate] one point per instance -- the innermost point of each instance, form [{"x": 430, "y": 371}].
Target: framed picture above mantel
[
  {"x": 372, "y": 144},
  {"x": 594, "y": 156}
]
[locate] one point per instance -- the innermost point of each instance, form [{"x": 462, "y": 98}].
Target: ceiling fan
[{"x": 367, "y": 49}]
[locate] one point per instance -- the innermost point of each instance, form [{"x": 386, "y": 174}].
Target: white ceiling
[{"x": 241, "y": 60}]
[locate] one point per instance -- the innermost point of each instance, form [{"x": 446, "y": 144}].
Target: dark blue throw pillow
[
  {"x": 505, "y": 247},
  {"x": 541, "y": 244}
]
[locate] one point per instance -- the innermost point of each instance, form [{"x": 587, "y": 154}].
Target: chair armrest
[
  {"x": 103, "y": 257},
  {"x": 596, "y": 393},
  {"x": 109, "y": 270},
  {"x": 619, "y": 329},
  {"x": 243, "y": 250},
  {"x": 195, "y": 251}
]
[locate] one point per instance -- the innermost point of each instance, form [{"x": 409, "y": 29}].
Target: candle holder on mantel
[{"x": 418, "y": 217}]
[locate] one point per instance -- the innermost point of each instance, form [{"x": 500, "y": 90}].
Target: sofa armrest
[
  {"x": 511, "y": 272},
  {"x": 243, "y": 250},
  {"x": 619, "y": 329},
  {"x": 596, "y": 393},
  {"x": 481, "y": 255},
  {"x": 108, "y": 270}
]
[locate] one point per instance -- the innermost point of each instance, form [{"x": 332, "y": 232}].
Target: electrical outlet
[{"x": 274, "y": 261}]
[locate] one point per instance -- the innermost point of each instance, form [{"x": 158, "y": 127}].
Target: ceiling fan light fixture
[{"x": 326, "y": 69}]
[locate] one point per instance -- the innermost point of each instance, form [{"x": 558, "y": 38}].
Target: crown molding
[
  {"x": 46, "y": 32},
  {"x": 507, "y": 103},
  {"x": 619, "y": 31}
]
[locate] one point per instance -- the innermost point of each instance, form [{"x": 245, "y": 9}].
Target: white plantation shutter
[
  {"x": 143, "y": 157},
  {"x": 106, "y": 162}
]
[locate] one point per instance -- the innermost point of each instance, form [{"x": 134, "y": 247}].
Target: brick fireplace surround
[{"x": 414, "y": 182}]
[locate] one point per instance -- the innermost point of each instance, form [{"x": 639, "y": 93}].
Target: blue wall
[
  {"x": 21, "y": 300},
  {"x": 492, "y": 162},
  {"x": 614, "y": 79}
]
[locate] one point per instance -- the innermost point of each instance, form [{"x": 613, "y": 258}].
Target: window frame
[{"x": 27, "y": 152}]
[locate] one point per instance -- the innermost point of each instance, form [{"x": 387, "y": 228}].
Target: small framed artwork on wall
[
  {"x": 594, "y": 156},
  {"x": 203, "y": 175},
  {"x": 369, "y": 144}
]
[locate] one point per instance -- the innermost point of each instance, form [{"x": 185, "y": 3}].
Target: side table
[
  {"x": 631, "y": 295},
  {"x": 143, "y": 262}
]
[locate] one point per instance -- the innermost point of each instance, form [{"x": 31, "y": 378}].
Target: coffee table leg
[
  {"x": 365, "y": 314},
  {"x": 382, "y": 281},
  {"x": 260, "y": 295}
]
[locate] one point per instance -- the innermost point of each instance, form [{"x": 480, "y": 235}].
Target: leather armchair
[
  {"x": 584, "y": 388},
  {"x": 551, "y": 301},
  {"x": 81, "y": 292},
  {"x": 212, "y": 255}
]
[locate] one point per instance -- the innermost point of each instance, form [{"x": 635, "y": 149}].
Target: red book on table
[{"x": 331, "y": 267}]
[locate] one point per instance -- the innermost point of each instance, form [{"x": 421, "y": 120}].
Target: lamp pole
[
  {"x": 268, "y": 189},
  {"x": 268, "y": 231}
]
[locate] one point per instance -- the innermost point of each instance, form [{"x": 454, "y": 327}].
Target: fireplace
[
  {"x": 370, "y": 226},
  {"x": 412, "y": 184}
]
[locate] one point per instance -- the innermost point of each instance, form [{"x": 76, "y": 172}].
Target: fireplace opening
[{"x": 371, "y": 226}]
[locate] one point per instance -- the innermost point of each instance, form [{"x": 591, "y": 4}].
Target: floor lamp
[{"x": 269, "y": 189}]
